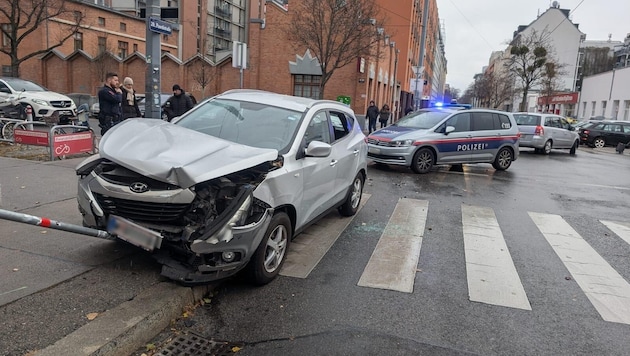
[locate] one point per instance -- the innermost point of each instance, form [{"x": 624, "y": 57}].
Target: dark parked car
[{"x": 606, "y": 133}]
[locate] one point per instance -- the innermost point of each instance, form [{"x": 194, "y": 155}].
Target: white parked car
[
  {"x": 227, "y": 185},
  {"x": 43, "y": 101}
]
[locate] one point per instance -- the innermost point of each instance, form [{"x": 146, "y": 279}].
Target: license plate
[
  {"x": 374, "y": 150},
  {"x": 133, "y": 233},
  {"x": 65, "y": 112}
]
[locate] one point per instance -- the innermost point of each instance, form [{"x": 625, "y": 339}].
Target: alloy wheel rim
[
  {"x": 356, "y": 193},
  {"x": 276, "y": 248}
]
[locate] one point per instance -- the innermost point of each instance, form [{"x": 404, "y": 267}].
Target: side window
[
  {"x": 550, "y": 121},
  {"x": 504, "y": 122},
  {"x": 318, "y": 129},
  {"x": 482, "y": 121},
  {"x": 461, "y": 122},
  {"x": 340, "y": 123},
  {"x": 4, "y": 88},
  {"x": 626, "y": 129}
]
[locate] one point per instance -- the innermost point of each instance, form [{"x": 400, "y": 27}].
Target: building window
[
  {"x": 626, "y": 110},
  {"x": 584, "y": 109},
  {"x": 604, "y": 102},
  {"x": 306, "y": 86},
  {"x": 6, "y": 71},
  {"x": 101, "y": 21},
  {"x": 6, "y": 41},
  {"x": 78, "y": 41},
  {"x": 135, "y": 47},
  {"x": 123, "y": 27},
  {"x": 593, "y": 108},
  {"x": 102, "y": 45},
  {"x": 123, "y": 49},
  {"x": 615, "y": 112}
]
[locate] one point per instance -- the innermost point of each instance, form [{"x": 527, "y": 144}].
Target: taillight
[
  {"x": 586, "y": 132},
  {"x": 539, "y": 131}
]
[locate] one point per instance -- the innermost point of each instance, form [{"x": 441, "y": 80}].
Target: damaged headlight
[{"x": 225, "y": 233}]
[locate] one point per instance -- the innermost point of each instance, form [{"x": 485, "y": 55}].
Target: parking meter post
[{"x": 29, "y": 117}]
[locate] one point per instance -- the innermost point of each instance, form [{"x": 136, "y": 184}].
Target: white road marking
[
  {"x": 492, "y": 276},
  {"x": 308, "y": 248},
  {"x": 394, "y": 261},
  {"x": 621, "y": 229},
  {"x": 13, "y": 291},
  {"x": 605, "y": 288}
]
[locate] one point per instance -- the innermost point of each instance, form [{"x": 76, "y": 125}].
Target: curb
[{"x": 129, "y": 326}]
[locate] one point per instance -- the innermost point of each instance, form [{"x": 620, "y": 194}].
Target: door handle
[
  {"x": 333, "y": 162},
  {"x": 356, "y": 152}
]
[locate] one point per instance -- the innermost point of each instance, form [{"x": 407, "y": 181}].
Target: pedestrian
[
  {"x": 177, "y": 104},
  {"x": 408, "y": 110},
  {"x": 371, "y": 115},
  {"x": 129, "y": 103},
  {"x": 109, "y": 99},
  {"x": 383, "y": 115}
]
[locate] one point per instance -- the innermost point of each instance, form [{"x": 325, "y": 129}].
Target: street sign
[
  {"x": 159, "y": 26},
  {"x": 239, "y": 55}
]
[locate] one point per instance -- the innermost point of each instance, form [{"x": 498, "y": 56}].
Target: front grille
[
  {"x": 119, "y": 175},
  {"x": 377, "y": 142},
  {"x": 61, "y": 103},
  {"x": 142, "y": 211}
]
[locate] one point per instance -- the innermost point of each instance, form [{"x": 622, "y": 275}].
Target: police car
[{"x": 443, "y": 135}]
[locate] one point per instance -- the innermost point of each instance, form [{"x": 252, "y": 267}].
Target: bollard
[{"x": 29, "y": 117}]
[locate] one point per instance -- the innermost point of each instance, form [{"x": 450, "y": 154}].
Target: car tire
[
  {"x": 599, "y": 142},
  {"x": 547, "y": 147},
  {"x": 574, "y": 147},
  {"x": 503, "y": 159},
  {"x": 423, "y": 161},
  {"x": 270, "y": 255},
  {"x": 353, "y": 199}
]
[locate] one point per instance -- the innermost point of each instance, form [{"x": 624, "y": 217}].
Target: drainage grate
[{"x": 195, "y": 345}]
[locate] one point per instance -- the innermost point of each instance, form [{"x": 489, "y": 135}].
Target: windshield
[
  {"x": 422, "y": 119},
  {"x": 23, "y": 85},
  {"x": 527, "y": 120},
  {"x": 251, "y": 124}
]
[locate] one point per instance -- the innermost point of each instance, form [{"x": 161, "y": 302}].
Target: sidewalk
[{"x": 67, "y": 294}]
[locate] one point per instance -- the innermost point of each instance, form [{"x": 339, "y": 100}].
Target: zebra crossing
[{"x": 490, "y": 271}]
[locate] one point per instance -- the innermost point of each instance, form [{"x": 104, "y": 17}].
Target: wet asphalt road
[{"x": 328, "y": 314}]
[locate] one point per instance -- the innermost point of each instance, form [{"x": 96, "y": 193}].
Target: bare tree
[
  {"x": 203, "y": 73},
  {"x": 550, "y": 80},
  {"x": 528, "y": 55},
  {"x": 336, "y": 31},
  {"x": 25, "y": 17}
]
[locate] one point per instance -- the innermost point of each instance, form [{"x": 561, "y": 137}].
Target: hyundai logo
[{"x": 139, "y": 187}]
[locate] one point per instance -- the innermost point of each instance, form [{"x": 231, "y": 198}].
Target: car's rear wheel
[
  {"x": 574, "y": 147},
  {"x": 423, "y": 160},
  {"x": 272, "y": 251},
  {"x": 351, "y": 205},
  {"x": 503, "y": 160},
  {"x": 547, "y": 147},
  {"x": 599, "y": 142}
]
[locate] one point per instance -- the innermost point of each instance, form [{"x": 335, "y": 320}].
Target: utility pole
[
  {"x": 154, "y": 31},
  {"x": 423, "y": 40}
]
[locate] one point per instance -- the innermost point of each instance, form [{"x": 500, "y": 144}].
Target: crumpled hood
[{"x": 177, "y": 155}]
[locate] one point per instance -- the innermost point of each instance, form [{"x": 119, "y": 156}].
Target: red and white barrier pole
[
  {"x": 29, "y": 117},
  {"x": 53, "y": 224}
]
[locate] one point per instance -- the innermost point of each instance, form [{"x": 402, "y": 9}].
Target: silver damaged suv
[{"x": 226, "y": 186}]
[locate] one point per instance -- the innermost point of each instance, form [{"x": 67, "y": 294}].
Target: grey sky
[{"x": 475, "y": 28}]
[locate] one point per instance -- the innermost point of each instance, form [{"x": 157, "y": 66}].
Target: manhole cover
[{"x": 195, "y": 345}]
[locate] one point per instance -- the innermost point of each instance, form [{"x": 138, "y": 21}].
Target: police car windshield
[{"x": 422, "y": 119}]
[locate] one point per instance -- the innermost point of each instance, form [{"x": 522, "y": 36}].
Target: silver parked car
[
  {"x": 227, "y": 185},
  {"x": 544, "y": 132},
  {"x": 445, "y": 136}
]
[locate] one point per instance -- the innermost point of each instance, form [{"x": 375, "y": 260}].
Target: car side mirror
[
  {"x": 318, "y": 149},
  {"x": 449, "y": 129}
]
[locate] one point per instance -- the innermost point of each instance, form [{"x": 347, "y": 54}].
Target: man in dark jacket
[
  {"x": 109, "y": 99},
  {"x": 177, "y": 104},
  {"x": 371, "y": 115}
]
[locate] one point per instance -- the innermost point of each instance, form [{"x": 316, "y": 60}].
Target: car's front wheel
[
  {"x": 503, "y": 160},
  {"x": 423, "y": 160},
  {"x": 574, "y": 147},
  {"x": 351, "y": 205},
  {"x": 272, "y": 251},
  {"x": 599, "y": 142}
]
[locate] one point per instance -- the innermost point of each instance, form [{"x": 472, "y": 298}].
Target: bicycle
[{"x": 8, "y": 127}]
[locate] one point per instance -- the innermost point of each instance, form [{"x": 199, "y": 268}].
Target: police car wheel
[
  {"x": 423, "y": 160},
  {"x": 503, "y": 160}
]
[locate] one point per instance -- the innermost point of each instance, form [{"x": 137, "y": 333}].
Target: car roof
[{"x": 281, "y": 100}]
